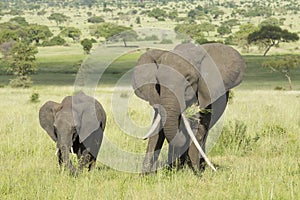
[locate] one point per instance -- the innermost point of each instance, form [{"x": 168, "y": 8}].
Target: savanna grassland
[{"x": 257, "y": 154}]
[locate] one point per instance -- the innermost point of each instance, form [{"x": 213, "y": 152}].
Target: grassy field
[
  {"x": 257, "y": 154},
  {"x": 59, "y": 66}
]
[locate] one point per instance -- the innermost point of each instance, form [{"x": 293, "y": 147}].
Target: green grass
[
  {"x": 257, "y": 77},
  {"x": 62, "y": 69},
  {"x": 266, "y": 168},
  {"x": 257, "y": 154}
]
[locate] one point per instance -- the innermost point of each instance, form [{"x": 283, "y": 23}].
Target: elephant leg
[
  {"x": 207, "y": 120},
  {"x": 178, "y": 148},
  {"x": 92, "y": 163},
  {"x": 85, "y": 160},
  {"x": 59, "y": 156},
  {"x": 153, "y": 150},
  {"x": 195, "y": 161}
]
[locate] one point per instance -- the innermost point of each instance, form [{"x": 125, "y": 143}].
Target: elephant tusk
[
  {"x": 56, "y": 152},
  {"x": 155, "y": 124},
  {"x": 72, "y": 151},
  {"x": 190, "y": 132}
]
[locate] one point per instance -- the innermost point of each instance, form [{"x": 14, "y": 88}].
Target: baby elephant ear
[
  {"x": 88, "y": 119},
  {"x": 47, "y": 115}
]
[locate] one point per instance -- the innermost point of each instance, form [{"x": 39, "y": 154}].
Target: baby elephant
[{"x": 76, "y": 125}]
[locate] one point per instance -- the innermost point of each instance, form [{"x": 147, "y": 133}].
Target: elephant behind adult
[
  {"x": 76, "y": 125},
  {"x": 173, "y": 80}
]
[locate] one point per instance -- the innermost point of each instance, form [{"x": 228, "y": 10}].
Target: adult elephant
[
  {"x": 76, "y": 125},
  {"x": 173, "y": 80}
]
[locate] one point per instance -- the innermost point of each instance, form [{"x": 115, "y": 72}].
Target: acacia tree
[
  {"x": 223, "y": 30},
  {"x": 113, "y": 31},
  {"x": 284, "y": 66},
  {"x": 271, "y": 36},
  {"x": 207, "y": 27},
  {"x": 157, "y": 13},
  {"x": 193, "y": 31},
  {"x": 87, "y": 45},
  {"x": 241, "y": 36},
  {"x": 37, "y": 32},
  {"x": 22, "y": 63},
  {"x": 58, "y": 18},
  {"x": 71, "y": 32}
]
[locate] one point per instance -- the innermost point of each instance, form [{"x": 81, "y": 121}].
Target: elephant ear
[
  {"x": 47, "y": 116},
  {"x": 89, "y": 116},
  {"x": 221, "y": 69},
  {"x": 144, "y": 80}
]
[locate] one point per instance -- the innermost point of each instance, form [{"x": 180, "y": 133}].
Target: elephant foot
[
  {"x": 148, "y": 169},
  {"x": 150, "y": 163},
  {"x": 87, "y": 160},
  {"x": 197, "y": 168}
]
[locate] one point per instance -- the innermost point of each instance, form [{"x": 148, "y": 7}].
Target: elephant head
[
  {"x": 71, "y": 122},
  {"x": 173, "y": 80}
]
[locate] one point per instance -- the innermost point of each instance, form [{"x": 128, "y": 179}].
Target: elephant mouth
[
  {"x": 156, "y": 125},
  {"x": 71, "y": 150}
]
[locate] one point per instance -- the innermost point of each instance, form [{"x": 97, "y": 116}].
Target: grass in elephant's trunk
[{"x": 66, "y": 161}]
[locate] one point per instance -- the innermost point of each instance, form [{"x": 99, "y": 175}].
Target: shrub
[
  {"x": 273, "y": 130},
  {"x": 279, "y": 88},
  {"x": 95, "y": 19},
  {"x": 166, "y": 41},
  {"x": 55, "y": 41},
  {"x": 20, "y": 82},
  {"x": 230, "y": 97},
  {"x": 151, "y": 38},
  {"x": 201, "y": 40},
  {"x": 34, "y": 98},
  {"x": 234, "y": 139}
]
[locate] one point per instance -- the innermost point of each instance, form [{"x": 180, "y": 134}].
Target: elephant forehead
[
  {"x": 191, "y": 53},
  {"x": 144, "y": 74},
  {"x": 169, "y": 73},
  {"x": 178, "y": 66},
  {"x": 64, "y": 118}
]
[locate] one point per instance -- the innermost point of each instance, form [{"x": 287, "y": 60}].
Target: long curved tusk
[
  {"x": 190, "y": 132},
  {"x": 155, "y": 124},
  {"x": 72, "y": 151},
  {"x": 56, "y": 152}
]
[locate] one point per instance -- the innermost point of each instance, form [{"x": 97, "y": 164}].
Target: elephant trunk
[
  {"x": 170, "y": 113},
  {"x": 65, "y": 151}
]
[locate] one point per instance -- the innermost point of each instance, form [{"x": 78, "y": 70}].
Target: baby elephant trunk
[{"x": 65, "y": 151}]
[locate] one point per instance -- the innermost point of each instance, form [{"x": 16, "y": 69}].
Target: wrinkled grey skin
[
  {"x": 173, "y": 80},
  {"x": 77, "y": 122}
]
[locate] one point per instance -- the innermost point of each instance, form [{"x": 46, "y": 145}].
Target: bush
[
  {"x": 151, "y": 38},
  {"x": 279, "y": 88},
  {"x": 34, "y": 98},
  {"x": 95, "y": 19},
  {"x": 234, "y": 139},
  {"x": 20, "y": 82},
  {"x": 166, "y": 41},
  {"x": 201, "y": 40},
  {"x": 273, "y": 130},
  {"x": 55, "y": 41},
  {"x": 230, "y": 97}
]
